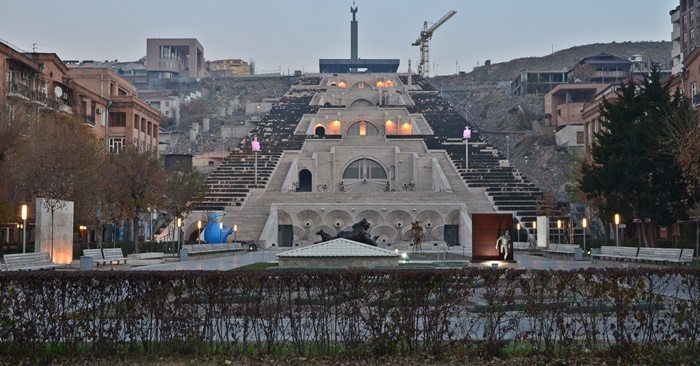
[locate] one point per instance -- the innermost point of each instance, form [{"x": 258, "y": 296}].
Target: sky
[{"x": 282, "y": 35}]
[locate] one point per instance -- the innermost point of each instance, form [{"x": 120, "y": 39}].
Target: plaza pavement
[{"x": 236, "y": 260}]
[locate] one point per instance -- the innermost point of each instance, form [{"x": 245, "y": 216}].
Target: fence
[{"x": 350, "y": 312}]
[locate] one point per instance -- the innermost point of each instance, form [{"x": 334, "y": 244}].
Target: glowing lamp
[
  {"x": 199, "y": 224},
  {"x": 534, "y": 224},
  {"x": 221, "y": 226},
  {"x": 467, "y": 133},
  {"x": 617, "y": 219},
  {"x": 255, "y": 144},
  {"x": 584, "y": 223},
  {"x": 517, "y": 226},
  {"x": 179, "y": 222},
  {"x": 558, "y": 224},
  {"x": 24, "y": 212},
  {"x": 235, "y": 228}
]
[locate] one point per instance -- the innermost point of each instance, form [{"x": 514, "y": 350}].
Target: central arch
[
  {"x": 365, "y": 169},
  {"x": 363, "y": 128}
]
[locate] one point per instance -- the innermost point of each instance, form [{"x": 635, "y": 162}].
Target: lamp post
[
  {"x": 617, "y": 229},
  {"x": 584, "y": 223},
  {"x": 235, "y": 228},
  {"x": 179, "y": 234},
  {"x": 517, "y": 226},
  {"x": 199, "y": 231},
  {"x": 256, "y": 148},
  {"x": 534, "y": 230},
  {"x": 466, "y": 135},
  {"x": 24, "y": 228},
  {"x": 559, "y": 230},
  {"x": 221, "y": 230}
]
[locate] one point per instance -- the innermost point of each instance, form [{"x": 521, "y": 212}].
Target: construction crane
[{"x": 424, "y": 42}]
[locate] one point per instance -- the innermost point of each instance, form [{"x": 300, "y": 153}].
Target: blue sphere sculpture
[{"x": 213, "y": 232}]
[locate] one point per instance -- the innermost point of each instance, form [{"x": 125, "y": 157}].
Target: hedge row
[{"x": 350, "y": 312}]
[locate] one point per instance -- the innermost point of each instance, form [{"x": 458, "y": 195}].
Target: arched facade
[
  {"x": 362, "y": 128},
  {"x": 365, "y": 169}
]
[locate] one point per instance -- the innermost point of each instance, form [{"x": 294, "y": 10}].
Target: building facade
[
  {"x": 130, "y": 121},
  {"x": 174, "y": 58},
  {"x": 563, "y": 107},
  {"x": 230, "y": 67}
]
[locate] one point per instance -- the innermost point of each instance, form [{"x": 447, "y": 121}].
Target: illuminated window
[
  {"x": 364, "y": 169},
  {"x": 390, "y": 126},
  {"x": 363, "y": 128},
  {"x": 380, "y": 84},
  {"x": 389, "y": 84},
  {"x": 407, "y": 128}
]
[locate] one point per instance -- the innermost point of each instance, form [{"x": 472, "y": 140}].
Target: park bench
[
  {"x": 615, "y": 253},
  {"x": 95, "y": 254},
  {"x": 562, "y": 248},
  {"x": 211, "y": 248},
  {"x": 28, "y": 261},
  {"x": 113, "y": 255},
  {"x": 659, "y": 254}
]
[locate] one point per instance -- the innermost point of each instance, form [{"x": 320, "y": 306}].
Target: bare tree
[{"x": 138, "y": 183}]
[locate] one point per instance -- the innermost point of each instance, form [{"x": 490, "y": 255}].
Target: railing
[{"x": 19, "y": 89}]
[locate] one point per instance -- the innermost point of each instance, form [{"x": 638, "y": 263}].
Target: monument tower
[{"x": 353, "y": 33}]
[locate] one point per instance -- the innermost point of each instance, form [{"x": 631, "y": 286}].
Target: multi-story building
[
  {"x": 607, "y": 68},
  {"x": 174, "y": 58},
  {"x": 591, "y": 115},
  {"x": 688, "y": 81},
  {"x": 686, "y": 26},
  {"x": 563, "y": 107},
  {"x": 168, "y": 105},
  {"x": 228, "y": 68},
  {"x": 130, "y": 120},
  {"x": 538, "y": 82}
]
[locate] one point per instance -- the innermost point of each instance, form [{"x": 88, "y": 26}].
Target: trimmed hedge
[{"x": 485, "y": 311}]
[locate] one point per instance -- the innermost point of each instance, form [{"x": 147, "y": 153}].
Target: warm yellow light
[
  {"x": 558, "y": 224},
  {"x": 199, "y": 224},
  {"x": 235, "y": 228},
  {"x": 342, "y": 84},
  {"x": 389, "y": 84},
  {"x": 617, "y": 219},
  {"x": 24, "y": 212},
  {"x": 407, "y": 128},
  {"x": 363, "y": 129},
  {"x": 380, "y": 84},
  {"x": 179, "y": 222},
  {"x": 534, "y": 224},
  {"x": 584, "y": 223},
  {"x": 518, "y": 226}
]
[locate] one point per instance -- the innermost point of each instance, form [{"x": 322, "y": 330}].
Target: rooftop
[{"x": 339, "y": 248}]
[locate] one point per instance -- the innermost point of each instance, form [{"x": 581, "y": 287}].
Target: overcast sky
[{"x": 282, "y": 34}]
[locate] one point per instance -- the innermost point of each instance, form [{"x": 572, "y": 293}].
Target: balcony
[
  {"x": 90, "y": 120},
  {"x": 19, "y": 90}
]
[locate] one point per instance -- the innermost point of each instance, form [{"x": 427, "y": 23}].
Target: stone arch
[
  {"x": 300, "y": 233},
  {"x": 361, "y": 102},
  {"x": 308, "y": 219},
  {"x": 362, "y": 128},
  {"x": 305, "y": 181},
  {"x": 373, "y": 217},
  {"x": 453, "y": 218},
  {"x": 364, "y": 168},
  {"x": 360, "y": 85},
  {"x": 284, "y": 218},
  {"x": 399, "y": 219},
  {"x": 430, "y": 219},
  {"x": 320, "y": 131},
  {"x": 437, "y": 233},
  {"x": 385, "y": 232},
  {"x": 338, "y": 219}
]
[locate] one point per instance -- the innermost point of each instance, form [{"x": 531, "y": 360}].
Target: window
[
  {"x": 116, "y": 144},
  {"x": 363, "y": 128},
  {"x": 579, "y": 137},
  {"x": 364, "y": 169},
  {"x": 167, "y": 104},
  {"x": 117, "y": 119}
]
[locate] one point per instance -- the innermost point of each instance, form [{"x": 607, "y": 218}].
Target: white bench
[
  {"x": 562, "y": 248},
  {"x": 113, "y": 255},
  {"x": 686, "y": 256},
  {"x": 659, "y": 254},
  {"x": 211, "y": 248},
  {"x": 28, "y": 261},
  {"x": 608, "y": 252},
  {"x": 521, "y": 245}
]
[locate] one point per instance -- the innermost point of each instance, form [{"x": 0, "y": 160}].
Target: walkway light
[{"x": 24, "y": 228}]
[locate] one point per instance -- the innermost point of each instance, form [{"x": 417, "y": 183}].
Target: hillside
[
  {"x": 496, "y": 111},
  {"x": 659, "y": 52}
]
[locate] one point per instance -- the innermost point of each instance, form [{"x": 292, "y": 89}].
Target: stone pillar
[{"x": 205, "y": 125}]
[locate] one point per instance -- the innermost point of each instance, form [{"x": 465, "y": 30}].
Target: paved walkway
[
  {"x": 224, "y": 263},
  {"x": 229, "y": 262}
]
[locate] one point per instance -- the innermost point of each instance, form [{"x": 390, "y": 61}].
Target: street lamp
[
  {"x": 179, "y": 234},
  {"x": 255, "y": 145},
  {"x": 24, "y": 228},
  {"x": 534, "y": 230},
  {"x": 584, "y": 223},
  {"x": 221, "y": 230},
  {"x": 617, "y": 230},
  {"x": 517, "y": 226},
  {"x": 199, "y": 231},
  {"x": 235, "y": 228},
  {"x": 559, "y": 230},
  {"x": 466, "y": 135}
]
